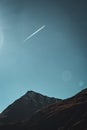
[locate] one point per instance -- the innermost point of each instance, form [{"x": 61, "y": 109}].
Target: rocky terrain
[
  {"x": 68, "y": 114},
  {"x": 25, "y": 107}
]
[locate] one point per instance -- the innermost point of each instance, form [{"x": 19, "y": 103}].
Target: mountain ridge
[
  {"x": 25, "y": 107},
  {"x": 69, "y": 114}
]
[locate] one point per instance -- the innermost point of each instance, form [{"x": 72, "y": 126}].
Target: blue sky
[{"x": 54, "y": 61}]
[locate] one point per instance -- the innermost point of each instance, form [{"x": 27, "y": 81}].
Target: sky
[{"x": 54, "y": 60}]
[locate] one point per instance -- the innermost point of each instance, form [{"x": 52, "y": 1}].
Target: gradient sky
[{"x": 52, "y": 62}]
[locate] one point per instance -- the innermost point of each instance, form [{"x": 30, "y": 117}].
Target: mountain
[
  {"x": 69, "y": 114},
  {"x": 24, "y": 108}
]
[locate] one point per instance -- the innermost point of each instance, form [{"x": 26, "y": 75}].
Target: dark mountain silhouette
[
  {"x": 25, "y": 107},
  {"x": 69, "y": 114}
]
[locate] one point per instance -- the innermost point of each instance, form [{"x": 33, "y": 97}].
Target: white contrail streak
[{"x": 30, "y": 36}]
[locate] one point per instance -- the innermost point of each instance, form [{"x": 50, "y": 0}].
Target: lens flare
[{"x": 66, "y": 75}]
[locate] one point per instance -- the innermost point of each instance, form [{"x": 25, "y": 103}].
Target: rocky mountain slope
[
  {"x": 69, "y": 114},
  {"x": 25, "y": 107}
]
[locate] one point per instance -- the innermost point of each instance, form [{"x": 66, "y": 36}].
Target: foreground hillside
[
  {"x": 25, "y": 107},
  {"x": 69, "y": 114}
]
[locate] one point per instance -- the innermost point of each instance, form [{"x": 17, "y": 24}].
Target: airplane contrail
[{"x": 30, "y": 36}]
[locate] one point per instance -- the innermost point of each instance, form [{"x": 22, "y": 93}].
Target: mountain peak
[
  {"x": 31, "y": 92},
  {"x": 38, "y": 98},
  {"x": 67, "y": 114},
  {"x": 26, "y": 106},
  {"x": 31, "y": 95}
]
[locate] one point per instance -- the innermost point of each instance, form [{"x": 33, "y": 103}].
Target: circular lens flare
[{"x": 66, "y": 75}]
